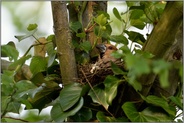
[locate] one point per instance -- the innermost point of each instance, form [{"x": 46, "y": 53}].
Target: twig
[{"x": 95, "y": 93}]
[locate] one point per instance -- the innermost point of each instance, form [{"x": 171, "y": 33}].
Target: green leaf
[
  {"x": 161, "y": 68},
  {"x": 102, "y": 118},
  {"x": 111, "y": 84},
  {"x": 32, "y": 27},
  {"x": 50, "y": 37},
  {"x": 116, "y": 70},
  {"x": 23, "y": 88},
  {"x": 98, "y": 95},
  {"x": 51, "y": 52},
  {"x": 131, "y": 112},
  {"x": 75, "y": 26},
  {"x": 70, "y": 95},
  {"x": 119, "y": 39},
  {"x": 38, "y": 64},
  {"x": 101, "y": 20},
  {"x": 138, "y": 23},
  {"x": 9, "y": 51},
  {"x": 44, "y": 94},
  {"x": 22, "y": 37},
  {"x": 136, "y": 14},
  {"x": 155, "y": 114},
  {"x": 161, "y": 103},
  {"x": 58, "y": 115},
  {"x": 86, "y": 46},
  {"x": 17, "y": 64},
  {"x": 51, "y": 59},
  {"x": 106, "y": 33},
  {"x": 7, "y": 83},
  {"x": 13, "y": 107},
  {"x": 31, "y": 115},
  {"x": 135, "y": 116},
  {"x": 24, "y": 85},
  {"x": 131, "y": 3},
  {"x": 116, "y": 13},
  {"x": 177, "y": 101},
  {"x": 81, "y": 35},
  {"x": 137, "y": 64},
  {"x": 117, "y": 54},
  {"x": 135, "y": 36},
  {"x": 83, "y": 115}
]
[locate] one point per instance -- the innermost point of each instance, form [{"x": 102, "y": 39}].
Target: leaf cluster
[{"x": 104, "y": 101}]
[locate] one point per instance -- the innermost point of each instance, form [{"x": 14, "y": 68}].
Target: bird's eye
[{"x": 110, "y": 47}]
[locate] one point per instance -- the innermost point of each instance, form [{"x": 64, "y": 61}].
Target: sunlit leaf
[
  {"x": 32, "y": 27},
  {"x": 101, "y": 20}
]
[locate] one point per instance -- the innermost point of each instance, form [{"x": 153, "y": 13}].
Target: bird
[{"x": 105, "y": 57}]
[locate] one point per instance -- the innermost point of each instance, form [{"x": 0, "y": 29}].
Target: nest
[{"x": 93, "y": 74}]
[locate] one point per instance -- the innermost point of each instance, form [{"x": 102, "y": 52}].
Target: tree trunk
[
  {"x": 64, "y": 42},
  {"x": 160, "y": 40}
]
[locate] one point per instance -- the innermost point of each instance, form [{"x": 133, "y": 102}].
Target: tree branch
[
  {"x": 162, "y": 38},
  {"x": 64, "y": 42}
]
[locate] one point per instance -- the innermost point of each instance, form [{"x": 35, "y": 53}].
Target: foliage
[{"x": 82, "y": 102}]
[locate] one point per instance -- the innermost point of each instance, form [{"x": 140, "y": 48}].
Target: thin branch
[{"x": 95, "y": 93}]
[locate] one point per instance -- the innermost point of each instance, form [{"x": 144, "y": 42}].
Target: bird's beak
[{"x": 101, "y": 48}]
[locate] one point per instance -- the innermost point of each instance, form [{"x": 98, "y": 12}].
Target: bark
[
  {"x": 64, "y": 42},
  {"x": 88, "y": 15},
  {"x": 162, "y": 38},
  {"x": 174, "y": 55}
]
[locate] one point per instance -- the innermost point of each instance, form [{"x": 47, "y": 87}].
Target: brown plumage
[{"x": 106, "y": 56}]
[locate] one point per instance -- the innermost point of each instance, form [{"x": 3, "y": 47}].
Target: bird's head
[{"x": 106, "y": 49}]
